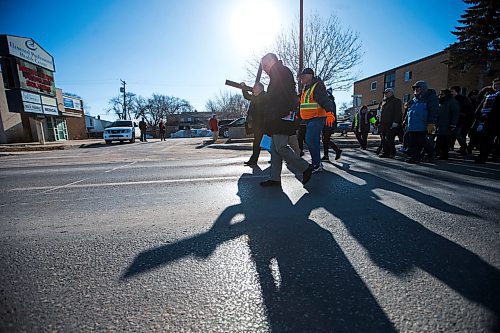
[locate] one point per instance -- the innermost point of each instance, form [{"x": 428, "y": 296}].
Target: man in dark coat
[
  {"x": 281, "y": 100},
  {"x": 391, "y": 117},
  {"x": 465, "y": 120},
  {"x": 143, "y": 127},
  {"x": 255, "y": 117},
  {"x": 446, "y": 122}
]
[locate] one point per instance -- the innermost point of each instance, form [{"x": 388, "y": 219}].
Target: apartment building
[{"x": 433, "y": 69}]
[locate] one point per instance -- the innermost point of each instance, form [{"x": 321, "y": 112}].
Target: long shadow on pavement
[
  {"x": 319, "y": 290},
  {"x": 400, "y": 245},
  {"x": 469, "y": 170}
]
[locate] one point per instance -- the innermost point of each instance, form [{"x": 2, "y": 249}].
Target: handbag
[{"x": 265, "y": 143}]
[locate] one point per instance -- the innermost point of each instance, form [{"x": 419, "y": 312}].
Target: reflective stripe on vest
[{"x": 308, "y": 107}]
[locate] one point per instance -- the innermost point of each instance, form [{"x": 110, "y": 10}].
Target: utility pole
[
  {"x": 301, "y": 42},
  {"x": 301, "y": 37},
  {"x": 122, "y": 90}
]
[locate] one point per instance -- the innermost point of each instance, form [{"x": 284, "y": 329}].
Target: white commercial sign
[
  {"x": 50, "y": 110},
  {"x": 72, "y": 103},
  {"x": 33, "y": 108},
  {"x": 29, "y": 50},
  {"x": 49, "y": 101},
  {"x": 35, "y": 103},
  {"x": 77, "y": 104},
  {"x": 30, "y": 97}
]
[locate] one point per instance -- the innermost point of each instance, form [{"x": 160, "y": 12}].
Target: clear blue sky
[{"x": 188, "y": 48}]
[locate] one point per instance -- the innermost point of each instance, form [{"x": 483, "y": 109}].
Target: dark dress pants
[
  {"x": 301, "y": 135},
  {"x": 327, "y": 141},
  {"x": 388, "y": 136},
  {"x": 442, "y": 145},
  {"x": 362, "y": 139},
  {"x": 257, "y": 138}
]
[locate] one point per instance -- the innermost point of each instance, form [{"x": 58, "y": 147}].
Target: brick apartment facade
[{"x": 432, "y": 69}]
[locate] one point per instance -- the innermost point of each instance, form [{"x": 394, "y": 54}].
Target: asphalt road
[{"x": 177, "y": 236}]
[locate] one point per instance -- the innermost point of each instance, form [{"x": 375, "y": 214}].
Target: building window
[
  {"x": 389, "y": 80},
  {"x": 408, "y": 76},
  {"x": 357, "y": 100},
  {"x": 373, "y": 85},
  {"x": 373, "y": 102},
  {"x": 406, "y": 98}
]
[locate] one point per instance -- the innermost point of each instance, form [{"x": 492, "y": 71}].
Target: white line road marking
[
  {"x": 122, "y": 166},
  {"x": 163, "y": 181},
  {"x": 63, "y": 186}
]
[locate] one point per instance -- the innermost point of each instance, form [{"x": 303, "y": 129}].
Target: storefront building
[{"x": 30, "y": 109}]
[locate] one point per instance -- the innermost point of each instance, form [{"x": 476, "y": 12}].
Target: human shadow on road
[
  {"x": 318, "y": 289},
  {"x": 469, "y": 171},
  {"x": 313, "y": 286},
  {"x": 399, "y": 244}
]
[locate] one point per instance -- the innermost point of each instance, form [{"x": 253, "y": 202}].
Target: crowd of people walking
[{"x": 428, "y": 125}]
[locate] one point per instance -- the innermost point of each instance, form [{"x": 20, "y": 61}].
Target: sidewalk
[{"x": 58, "y": 145}]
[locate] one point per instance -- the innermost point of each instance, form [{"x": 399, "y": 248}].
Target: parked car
[
  {"x": 343, "y": 128},
  {"x": 224, "y": 129},
  {"x": 122, "y": 130}
]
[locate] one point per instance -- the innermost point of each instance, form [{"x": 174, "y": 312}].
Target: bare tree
[
  {"x": 330, "y": 50},
  {"x": 115, "y": 104},
  {"x": 228, "y": 105},
  {"x": 161, "y": 106},
  {"x": 141, "y": 107},
  {"x": 177, "y": 105},
  {"x": 344, "y": 107}
]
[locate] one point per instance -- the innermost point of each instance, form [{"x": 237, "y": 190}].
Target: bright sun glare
[{"x": 254, "y": 25}]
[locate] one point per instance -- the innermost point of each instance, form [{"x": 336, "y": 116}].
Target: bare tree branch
[
  {"x": 115, "y": 104},
  {"x": 331, "y": 51},
  {"x": 228, "y": 105}
]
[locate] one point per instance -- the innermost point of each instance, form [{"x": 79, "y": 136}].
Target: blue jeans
[{"x": 313, "y": 136}]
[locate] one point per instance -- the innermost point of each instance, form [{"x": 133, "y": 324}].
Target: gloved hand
[
  {"x": 431, "y": 128},
  {"x": 330, "y": 118},
  {"x": 394, "y": 125}
]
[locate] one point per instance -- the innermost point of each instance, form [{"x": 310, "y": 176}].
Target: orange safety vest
[{"x": 309, "y": 108}]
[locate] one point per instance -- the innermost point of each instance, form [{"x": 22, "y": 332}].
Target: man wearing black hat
[{"x": 317, "y": 110}]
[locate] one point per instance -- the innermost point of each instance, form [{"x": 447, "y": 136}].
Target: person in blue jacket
[{"x": 422, "y": 115}]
